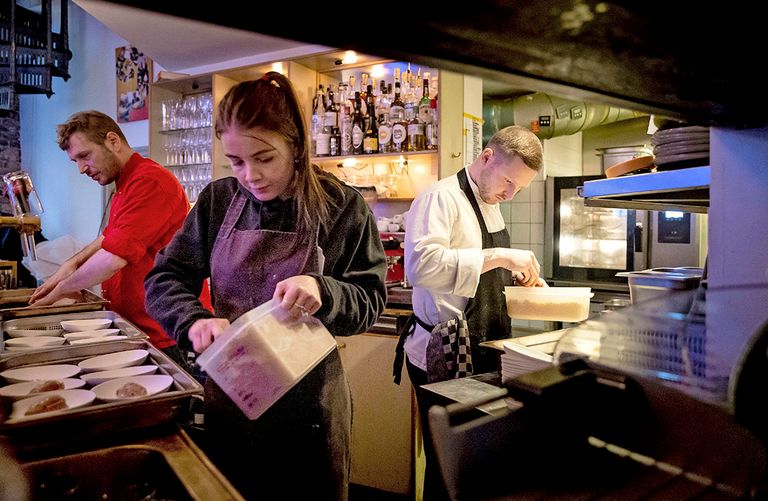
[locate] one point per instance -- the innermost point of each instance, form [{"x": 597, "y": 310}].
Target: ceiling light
[{"x": 350, "y": 57}]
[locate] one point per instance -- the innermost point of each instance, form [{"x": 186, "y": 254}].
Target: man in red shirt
[{"x": 148, "y": 206}]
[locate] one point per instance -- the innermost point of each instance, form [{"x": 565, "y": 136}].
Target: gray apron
[{"x": 299, "y": 448}]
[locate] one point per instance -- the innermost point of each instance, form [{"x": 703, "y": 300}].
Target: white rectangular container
[
  {"x": 263, "y": 354},
  {"x": 558, "y": 304}
]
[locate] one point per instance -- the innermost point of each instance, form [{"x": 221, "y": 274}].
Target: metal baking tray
[
  {"x": 83, "y": 424},
  {"x": 14, "y": 304},
  {"x": 39, "y": 322}
]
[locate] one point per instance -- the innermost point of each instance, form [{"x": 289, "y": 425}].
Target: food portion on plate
[
  {"x": 51, "y": 402},
  {"x": 30, "y": 388}
]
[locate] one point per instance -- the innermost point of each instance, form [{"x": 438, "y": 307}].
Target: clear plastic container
[
  {"x": 559, "y": 304},
  {"x": 263, "y": 354}
]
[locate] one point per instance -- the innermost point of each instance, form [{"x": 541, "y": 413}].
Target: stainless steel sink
[{"x": 167, "y": 468}]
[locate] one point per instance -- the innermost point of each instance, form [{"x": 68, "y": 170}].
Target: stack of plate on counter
[
  {"x": 518, "y": 359},
  {"x": 681, "y": 147}
]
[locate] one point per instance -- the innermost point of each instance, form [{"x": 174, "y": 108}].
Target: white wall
[{"x": 73, "y": 202}]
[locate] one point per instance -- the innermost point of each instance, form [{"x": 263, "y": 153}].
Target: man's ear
[{"x": 114, "y": 141}]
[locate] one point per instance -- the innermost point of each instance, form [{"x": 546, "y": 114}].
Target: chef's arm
[
  {"x": 521, "y": 262},
  {"x": 97, "y": 268},
  {"x": 66, "y": 269}
]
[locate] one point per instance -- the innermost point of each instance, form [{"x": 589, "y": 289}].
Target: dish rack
[{"x": 648, "y": 340}]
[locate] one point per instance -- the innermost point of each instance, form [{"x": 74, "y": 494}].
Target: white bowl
[
  {"x": 34, "y": 342},
  {"x": 112, "y": 361},
  {"x": 54, "y": 331},
  {"x": 85, "y": 324},
  {"x": 88, "y": 334},
  {"x": 40, "y": 373},
  {"x": 74, "y": 399},
  {"x": 90, "y": 340},
  {"x": 94, "y": 378},
  {"x": 22, "y": 390},
  {"x": 156, "y": 383}
]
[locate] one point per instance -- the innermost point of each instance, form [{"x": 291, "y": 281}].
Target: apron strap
[
  {"x": 467, "y": 189},
  {"x": 408, "y": 328}
]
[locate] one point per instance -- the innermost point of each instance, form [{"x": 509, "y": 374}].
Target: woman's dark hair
[{"x": 270, "y": 102}]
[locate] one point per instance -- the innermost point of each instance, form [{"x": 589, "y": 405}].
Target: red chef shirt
[{"x": 148, "y": 207}]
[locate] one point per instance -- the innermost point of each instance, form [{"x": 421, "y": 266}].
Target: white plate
[
  {"x": 40, "y": 373},
  {"x": 156, "y": 383},
  {"x": 94, "y": 378},
  {"x": 22, "y": 390},
  {"x": 90, "y": 340},
  {"x": 34, "y": 342},
  {"x": 111, "y": 361},
  {"x": 96, "y": 333},
  {"x": 34, "y": 332},
  {"x": 86, "y": 324},
  {"x": 74, "y": 399}
]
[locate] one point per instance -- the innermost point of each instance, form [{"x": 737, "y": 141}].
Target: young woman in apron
[{"x": 280, "y": 230}]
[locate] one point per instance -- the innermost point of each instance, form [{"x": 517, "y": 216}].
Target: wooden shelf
[{"x": 359, "y": 158}]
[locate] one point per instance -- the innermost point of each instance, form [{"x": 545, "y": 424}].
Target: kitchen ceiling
[
  {"x": 177, "y": 43},
  {"x": 698, "y": 63}
]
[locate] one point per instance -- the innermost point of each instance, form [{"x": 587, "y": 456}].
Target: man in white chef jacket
[{"x": 458, "y": 260}]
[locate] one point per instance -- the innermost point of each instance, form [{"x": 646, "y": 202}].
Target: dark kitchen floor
[{"x": 363, "y": 493}]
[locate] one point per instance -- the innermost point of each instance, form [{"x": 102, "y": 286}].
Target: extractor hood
[{"x": 683, "y": 189}]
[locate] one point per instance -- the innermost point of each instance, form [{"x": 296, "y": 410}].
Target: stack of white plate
[
  {"x": 681, "y": 147},
  {"x": 518, "y": 359}
]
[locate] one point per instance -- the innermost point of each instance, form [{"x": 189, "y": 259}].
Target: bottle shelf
[{"x": 394, "y": 155}]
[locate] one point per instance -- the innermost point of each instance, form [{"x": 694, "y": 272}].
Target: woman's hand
[
  {"x": 299, "y": 295},
  {"x": 204, "y": 331}
]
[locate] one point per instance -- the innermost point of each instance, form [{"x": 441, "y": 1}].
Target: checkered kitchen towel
[{"x": 448, "y": 351}]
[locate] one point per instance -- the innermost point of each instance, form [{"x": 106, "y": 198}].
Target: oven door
[{"x": 590, "y": 243}]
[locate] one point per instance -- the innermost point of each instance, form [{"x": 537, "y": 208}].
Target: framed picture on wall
[{"x": 133, "y": 71}]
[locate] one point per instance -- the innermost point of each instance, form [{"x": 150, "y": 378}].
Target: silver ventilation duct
[{"x": 548, "y": 116}]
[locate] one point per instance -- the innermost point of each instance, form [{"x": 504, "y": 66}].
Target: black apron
[
  {"x": 485, "y": 314},
  {"x": 299, "y": 447}
]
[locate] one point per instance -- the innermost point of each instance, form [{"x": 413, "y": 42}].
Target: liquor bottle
[
  {"x": 425, "y": 111},
  {"x": 399, "y": 124},
  {"x": 358, "y": 125},
  {"x": 346, "y": 134},
  {"x": 417, "y": 139},
  {"x": 433, "y": 129},
  {"x": 331, "y": 110},
  {"x": 334, "y": 146},
  {"x": 318, "y": 116},
  {"x": 324, "y": 140},
  {"x": 385, "y": 133},
  {"x": 382, "y": 102},
  {"x": 371, "y": 138}
]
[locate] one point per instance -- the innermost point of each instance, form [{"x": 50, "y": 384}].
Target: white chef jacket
[{"x": 443, "y": 255}]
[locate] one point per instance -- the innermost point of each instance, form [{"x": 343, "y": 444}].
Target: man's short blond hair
[
  {"x": 93, "y": 124},
  {"x": 518, "y": 141}
]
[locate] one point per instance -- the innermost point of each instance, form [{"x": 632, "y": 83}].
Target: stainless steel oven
[{"x": 593, "y": 244}]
